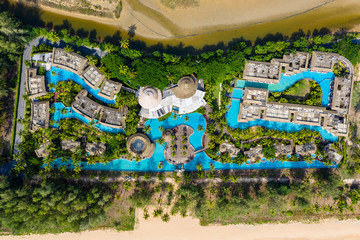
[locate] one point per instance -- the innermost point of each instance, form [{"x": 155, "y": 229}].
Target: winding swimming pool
[{"x": 64, "y": 75}]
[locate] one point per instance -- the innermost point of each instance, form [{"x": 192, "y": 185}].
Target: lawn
[{"x": 299, "y": 89}]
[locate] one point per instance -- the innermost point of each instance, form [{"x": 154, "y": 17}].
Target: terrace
[
  {"x": 109, "y": 88},
  {"x": 92, "y": 76},
  {"x": 95, "y": 149},
  {"x": 229, "y": 148},
  {"x": 69, "y": 61},
  {"x": 113, "y": 117},
  {"x": 305, "y": 149},
  {"x": 254, "y": 154},
  {"x": 39, "y": 115},
  {"x": 35, "y": 84},
  {"x": 85, "y": 106},
  {"x": 42, "y": 151},
  {"x": 70, "y": 145}
]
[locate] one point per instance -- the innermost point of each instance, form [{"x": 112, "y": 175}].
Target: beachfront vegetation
[{"x": 180, "y": 3}]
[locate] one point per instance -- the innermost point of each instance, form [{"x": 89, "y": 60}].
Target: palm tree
[
  {"x": 124, "y": 43},
  {"x": 63, "y": 111},
  {"x": 147, "y": 129},
  {"x": 161, "y": 141},
  {"x": 52, "y": 110},
  {"x": 186, "y": 118},
  {"x": 51, "y": 86},
  {"x": 165, "y": 217},
  {"x": 212, "y": 167},
  {"x": 175, "y": 116},
  {"x": 161, "y": 128},
  {"x": 199, "y": 167},
  {"x": 53, "y": 72},
  {"x": 200, "y": 128},
  {"x": 68, "y": 49},
  {"x": 160, "y": 165}
]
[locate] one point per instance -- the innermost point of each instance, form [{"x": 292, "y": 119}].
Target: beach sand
[
  {"x": 155, "y": 21},
  {"x": 189, "y": 229}
]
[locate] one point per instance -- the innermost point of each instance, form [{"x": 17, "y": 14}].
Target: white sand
[{"x": 187, "y": 228}]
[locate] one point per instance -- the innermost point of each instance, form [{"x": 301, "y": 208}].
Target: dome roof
[
  {"x": 149, "y": 97},
  {"x": 223, "y": 148},
  {"x": 139, "y": 144},
  {"x": 186, "y": 87}
]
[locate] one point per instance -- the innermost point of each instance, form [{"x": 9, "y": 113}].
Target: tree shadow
[{"x": 131, "y": 30}]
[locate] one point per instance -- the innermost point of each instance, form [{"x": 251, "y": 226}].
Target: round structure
[
  {"x": 223, "y": 148},
  {"x": 186, "y": 87},
  {"x": 149, "y": 97},
  {"x": 139, "y": 145},
  {"x": 167, "y": 135}
]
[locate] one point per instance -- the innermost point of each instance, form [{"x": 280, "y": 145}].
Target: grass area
[
  {"x": 299, "y": 89},
  {"x": 18, "y": 83},
  {"x": 165, "y": 117},
  {"x": 121, "y": 216},
  {"x": 305, "y": 91},
  {"x": 355, "y": 96},
  {"x": 118, "y": 10}
]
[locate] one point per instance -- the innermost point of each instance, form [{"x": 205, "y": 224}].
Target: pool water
[
  {"x": 237, "y": 93},
  {"x": 64, "y": 75}
]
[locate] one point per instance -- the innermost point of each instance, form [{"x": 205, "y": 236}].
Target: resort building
[
  {"x": 85, "y": 106},
  {"x": 305, "y": 149},
  {"x": 140, "y": 146},
  {"x": 332, "y": 154},
  {"x": 109, "y": 88},
  {"x": 95, "y": 149},
  {"x": 112, "y": 117},
  {"x": 92, "y": 76},
  {"x": 283, "y": 150},
  {"x": 184, "y": 97},
  {"x": 227, "y": 147},
  {"x": 270, "y": 72},
  {"x": 255, "y": 103},
  {"x": 35, "y": 84},
  {"x": 69, "y": 61},
  {"x": 39, "y": 115},
  {"x": 70, "y": 145},
  {"x": 254, "y": 154},
  {"x": 42, "y": 151}
]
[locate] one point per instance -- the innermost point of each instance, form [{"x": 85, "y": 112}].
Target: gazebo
[
  {"x": 139, "y": 145},
  {"x": 186, "y": 87}
]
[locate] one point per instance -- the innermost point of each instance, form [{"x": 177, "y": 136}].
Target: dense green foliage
[
  {"x": 51, "y": 206},
  {"x": 312, "y": 98}
]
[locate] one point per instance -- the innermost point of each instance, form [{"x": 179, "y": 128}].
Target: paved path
[{"x": 26, "y": 56}]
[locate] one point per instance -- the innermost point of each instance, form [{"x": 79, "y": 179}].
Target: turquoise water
[
  {"x": 323, "y": 79},
  {"x": 64, "y": 75},
  {"x": 237, "y": 93},
  {"x": 57, "y": 116}
]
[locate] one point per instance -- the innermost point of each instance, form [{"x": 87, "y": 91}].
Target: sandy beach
[
  {"x": 155, "y": 21},
  {"x": 188, "y": 228}
]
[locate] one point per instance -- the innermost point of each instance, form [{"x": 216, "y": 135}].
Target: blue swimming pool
[
  {"x": 57, "y": 116},
  {"x": 323, "y": 79},
  {"x": 237, "y": 93},
  {"x": 64, "y": 75}
]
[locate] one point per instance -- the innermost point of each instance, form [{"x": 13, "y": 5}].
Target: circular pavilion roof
[
  {"x": 149, "y": 97},
  {"x": 139, "y": 144},
  {"x": 186, "y": 87},
  {"x": 222, "y": 148}
]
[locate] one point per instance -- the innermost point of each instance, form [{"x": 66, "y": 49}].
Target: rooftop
[
  {"x": 35, "y": 84},
  {"x": 305, "y": 149},
  {"x": 69, "y": 61},
  {"x": 186, "y": 87},
  {"x": 113, "y": 117},
  {"x": 93, "y": 77},
  {"x": 139, "y": 145},
  {"x": 95, "y": 149},
  {"x": 85, "y": 106},
  {"x": 39, "y": 115},
  {"x": 70, "y": 145},
  {"x": 109, "y": 88}
]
